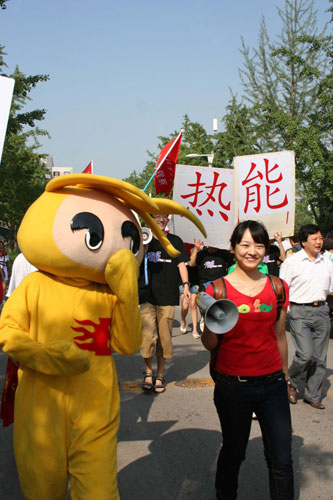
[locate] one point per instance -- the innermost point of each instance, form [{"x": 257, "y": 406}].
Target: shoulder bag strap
[
  {"x": 280, "y": 293},
  {"x": 220, "y": 291}
]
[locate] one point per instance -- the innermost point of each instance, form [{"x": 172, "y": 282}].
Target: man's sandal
[
  {"x": 148, "y": 386},
  {"x": 159, "y": 388}
]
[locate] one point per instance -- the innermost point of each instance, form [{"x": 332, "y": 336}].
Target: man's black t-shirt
[
  {"x": 211, "y": 266},
  {"x": 161, "y": 272},
  {"x": 193, "y": 275},
  {"x": 271, "y": 260}
]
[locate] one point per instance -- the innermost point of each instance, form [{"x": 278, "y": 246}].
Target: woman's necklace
[{"x": 249, "y": 289}]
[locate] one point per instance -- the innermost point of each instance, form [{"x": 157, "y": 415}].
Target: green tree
[
  {"x": 195, "y": 140},
  {"x": 238, "y": 137},
  {"x": 22, "y": 175},
  {"x": 318, "y": 133},
  {"x": 288, "y": 84}
]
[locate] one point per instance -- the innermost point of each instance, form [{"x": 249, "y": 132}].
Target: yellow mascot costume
[{"x": 62, "y": 323}]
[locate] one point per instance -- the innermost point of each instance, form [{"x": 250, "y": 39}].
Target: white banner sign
[
  {"x": 265, "y": 190},
  {"x": 209, "y": 194},
  {"x": 6, "y": 93}
]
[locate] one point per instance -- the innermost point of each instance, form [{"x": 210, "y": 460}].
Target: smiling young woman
[{"x": 252, "y": 369}]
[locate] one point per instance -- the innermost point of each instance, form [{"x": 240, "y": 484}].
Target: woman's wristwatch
[{"x": 186, "y": 283}]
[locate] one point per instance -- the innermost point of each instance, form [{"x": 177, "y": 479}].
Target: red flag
[
  {"x": 88, "y": 169},
  {"x": 165, "y": 166}
]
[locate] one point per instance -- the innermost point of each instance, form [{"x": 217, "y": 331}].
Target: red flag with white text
[
  {"x": 165, "y": 166},
  {"x": 88, "y": 169}
]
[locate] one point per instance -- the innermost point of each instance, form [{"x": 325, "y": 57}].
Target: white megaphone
[
  {"x": 220, "y": 315},
  {"x": 147, "y": 235}
]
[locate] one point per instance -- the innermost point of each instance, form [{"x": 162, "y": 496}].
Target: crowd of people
[
  {"x": 265, "y": 279},
  {"x": 250, "y": 370}
]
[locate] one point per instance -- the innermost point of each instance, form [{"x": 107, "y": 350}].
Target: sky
[{"x": 123, "y": 72}]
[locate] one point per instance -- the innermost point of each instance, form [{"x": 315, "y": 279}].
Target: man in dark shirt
[
  {"x": 211, "y": 262},
  {"x": 272, "y": 260},
  {"x": 158, "y": 296}
]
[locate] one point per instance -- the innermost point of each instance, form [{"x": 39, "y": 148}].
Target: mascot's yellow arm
[
  {"x": 121, "y": 274},
  {"x": 24, "y": 339},
  {"x": 56, "y": 357}
]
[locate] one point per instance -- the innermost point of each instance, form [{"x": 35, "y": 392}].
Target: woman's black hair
[
  {"x": 328, "y": 242},
  {"x": 257, "y": 230}
]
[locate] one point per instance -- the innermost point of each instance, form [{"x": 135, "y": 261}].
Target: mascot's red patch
[{"x": 99, "y": 336}]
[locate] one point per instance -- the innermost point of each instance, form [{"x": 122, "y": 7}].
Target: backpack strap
[
  {"x": 220, "y": 292},
  {"x": 280, "y": 292}
]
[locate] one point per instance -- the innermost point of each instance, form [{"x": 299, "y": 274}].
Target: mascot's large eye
[
  {"x": 129, "y": 229},
  {"x": 95, "y": 234}
]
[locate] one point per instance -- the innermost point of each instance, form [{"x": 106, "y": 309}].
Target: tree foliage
[
  {"x": 3, "y": 5},
  {"x": 287, "y": 105},
  {"x": 238, "y": 137},
  {"x": 288, "y": 84},
  {"x": 22, "y": 175},
  {"x": 195, "y": 140}
]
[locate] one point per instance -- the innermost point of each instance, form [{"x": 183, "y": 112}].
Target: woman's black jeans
[{"x": 235, "y": 401}]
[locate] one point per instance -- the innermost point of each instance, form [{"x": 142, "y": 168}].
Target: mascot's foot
[
  {"x": 148, "y": 381},
  {"x": 160, "y": 386}
]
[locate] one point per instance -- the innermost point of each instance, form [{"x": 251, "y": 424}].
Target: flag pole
[{"x": 165, "y": 156}]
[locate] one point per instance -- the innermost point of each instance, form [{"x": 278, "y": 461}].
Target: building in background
[
  {"x": 56, "y": 171},
  {"x": 52, "y": 171}
]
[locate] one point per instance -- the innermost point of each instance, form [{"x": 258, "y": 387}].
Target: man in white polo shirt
[{"x": 310, "y": 277}]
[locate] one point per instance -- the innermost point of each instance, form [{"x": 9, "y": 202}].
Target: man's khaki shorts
[{"x": 157, "y": 330}]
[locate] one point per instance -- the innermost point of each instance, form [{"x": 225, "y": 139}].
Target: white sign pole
[{"x": 6, "y": 94}]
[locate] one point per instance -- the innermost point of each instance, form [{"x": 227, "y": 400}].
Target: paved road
[{"x": 168, "y": 443}]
